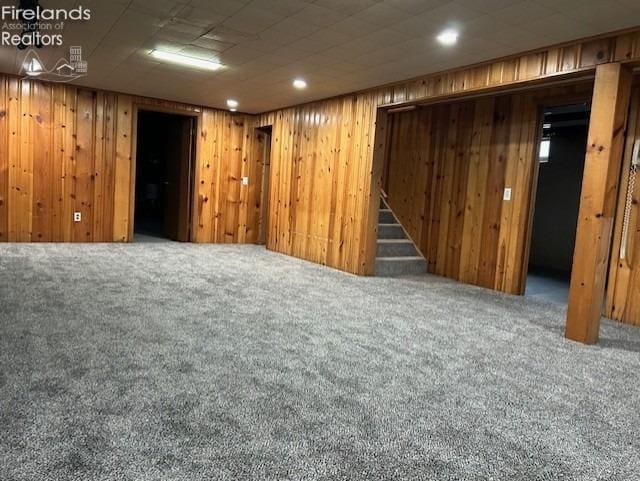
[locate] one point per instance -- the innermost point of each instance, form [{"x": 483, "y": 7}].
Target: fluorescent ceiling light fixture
[
  {"x": 299, "y": 84},
  {"x": 185, "y": 60},
  {"x": 448, "y": 37},
  {"x": 33, "y": 67},
  {"x": 232, "y": 103}
]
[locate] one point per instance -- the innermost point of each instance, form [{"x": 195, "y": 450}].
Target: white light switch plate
[
  {"x": 245, "y": 180},
  {"x": 77, "y": 216},
  {"x": 507, "y": 193}
]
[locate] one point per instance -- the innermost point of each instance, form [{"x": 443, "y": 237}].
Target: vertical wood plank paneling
[
  {"x": 84, "y": 177},
  {"x": 98, "y": 152},
  {"x": 123, "y": 155},
  {"x": 4, "y": 158},
  {"x": 204, "y": 176},
  {"x": 69, "y": 168},
  {"x": 21, "y": 173},
  {"x": 623, "y": 289},
  {"x": 42, "y": 157},
  {"x": 58, "y": 162}
]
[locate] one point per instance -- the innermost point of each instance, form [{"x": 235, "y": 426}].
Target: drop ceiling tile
[
  {"x": 200, "y": 52},
  {"x": 349, "y": 7},
  {"x": 555, "y": 26},
  {"x": 352, "y": 26},
  {"x": 211, "y": 44},
  {"x": 317, "y": 15},
  {"x": 383, "y": 15},
  {"x": 223, "y": 7},
  {"x": 295, "y": 27},
  {"x": 173, "y": 38},
  {"x": 182, "y": 26},
  {"x": 314, "y": 45},
  {"x": 416, "y": 6},
  {"x": 202, "y": 17},
  {"x": 251, "y": 20},
  {"x": 240, "y": 54},
  {"x": 633, "y": 5},
  {"x": 521, "y": 13},
  {"x": 285, "y": 55},
  {"x": 319, "y": 60},
  {"x": 419, "y": 25},
  {"x": 329, "y": 38},
  {"x": 592, "y": 12},
  {"x": 487, "y": 6},
  {"x": 485, "y": 24},
  {"x": 452, "y": 13},
  {"x": 520, "y": 39},
  {"x": 278, "y": 38},
  {"x": 283, "y": 8},
  {"x": 157, "y": 8}
]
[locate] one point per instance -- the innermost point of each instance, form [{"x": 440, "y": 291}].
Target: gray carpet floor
[{"x": 166, "y": 361}]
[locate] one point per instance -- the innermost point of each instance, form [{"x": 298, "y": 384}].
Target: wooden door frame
[
  {"x": 264, "y": 220},
  {"x": 551, "y": 102},
  {"x": 197, "y": 115}
]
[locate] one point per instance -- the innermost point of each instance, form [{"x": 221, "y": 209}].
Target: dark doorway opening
[
  {"x": 561, "y": 165},
  {"x": 264, "y": 139},
  {"x": 165, "y": 153}
]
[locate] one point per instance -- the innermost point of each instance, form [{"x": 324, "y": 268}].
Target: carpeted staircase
[{"x": 396, "y": 255}]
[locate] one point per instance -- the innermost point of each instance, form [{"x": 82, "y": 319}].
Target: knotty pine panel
[{"x": 623, "y": 289}]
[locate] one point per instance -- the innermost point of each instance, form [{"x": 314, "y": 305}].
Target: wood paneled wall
[
  {"x": 229, "y": 148},
  {"x": 448, "y": 167},
  {"x": 65, "y": 149},
  {"x": 324, "y": 185},
  {"x": 320, "y": 181},
  {"x": 330, "y": 143},
  {"x": 623, "y": 289}
]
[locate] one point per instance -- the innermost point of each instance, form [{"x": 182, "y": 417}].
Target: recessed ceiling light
[
  {"x": 448, "y": 37},
  {"x": 185, "y": 60},
  {"x": 232, "y": 103},
  {"x": 299, "y": 84}
]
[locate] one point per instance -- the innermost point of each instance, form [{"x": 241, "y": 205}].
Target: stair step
[
  {"x": 391, "y": 231},
  {"x": 396, "y": 248},
  {"x": 386, "y": 217},
  {"x": 400, "y": 266}
]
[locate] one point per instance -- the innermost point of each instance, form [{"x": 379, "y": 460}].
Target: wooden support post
[{"x": 609, "y": 109}]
